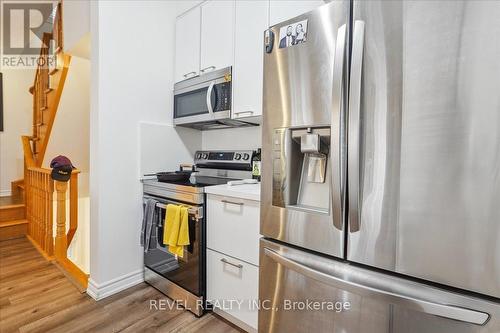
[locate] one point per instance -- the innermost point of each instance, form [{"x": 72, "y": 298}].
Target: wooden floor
[{"x": 36, "y": 297}]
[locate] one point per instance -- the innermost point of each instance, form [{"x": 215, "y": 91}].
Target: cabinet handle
[
  {"x": 188, "y": 74},
  {"x": 211, "y": 68},
  {"x": 225, "y": 261},
  {"x": 243, "y": 112},
  {"x": 232, "y": 202}
]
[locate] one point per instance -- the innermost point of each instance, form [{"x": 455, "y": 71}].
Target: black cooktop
[{"x": 202, "y": 181}]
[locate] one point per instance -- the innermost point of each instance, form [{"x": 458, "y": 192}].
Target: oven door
[
  {"x": 187, "y": 272},
  {"x": 200, "y": 100}
]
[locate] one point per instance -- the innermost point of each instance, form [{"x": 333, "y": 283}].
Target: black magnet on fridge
[{"x": 269, "y": 40}]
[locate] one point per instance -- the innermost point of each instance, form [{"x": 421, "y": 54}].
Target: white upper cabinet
[
  {"x": 251, "y": 20},
  {"x": 217, "y": 31},
  {"x": 187, "y": 45},
  {"x": 281, "y": 10}
]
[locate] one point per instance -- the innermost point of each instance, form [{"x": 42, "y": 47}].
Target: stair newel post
[{"x": 61, "y": 240}]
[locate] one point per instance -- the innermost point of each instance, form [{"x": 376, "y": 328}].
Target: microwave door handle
[{"x": 209, "y": 98}]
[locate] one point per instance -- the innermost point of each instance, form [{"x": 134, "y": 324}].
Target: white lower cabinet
[
  {"x": 232, "y": 286},
  {"x": 233, "y": 227},
  {"x": 233, "y": 258}
]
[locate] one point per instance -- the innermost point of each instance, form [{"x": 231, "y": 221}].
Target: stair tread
[
  {"x": 11, "y": 201},
  {"x": 13, "y": 222}
]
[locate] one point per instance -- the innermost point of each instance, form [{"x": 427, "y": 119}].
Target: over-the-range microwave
[{"x": 204, "y": 102}]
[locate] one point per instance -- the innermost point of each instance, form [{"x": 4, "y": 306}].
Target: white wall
[
  {"x": 164, "y": 147},
  {"x": 76, "y": 25},
  {"x": 232, "y": 138},
  {"x": 132, "y": 76},
  {"x": 70, "y": 137},
  {"x": 184, "y": 5},
  {"x": 18, "y": 113},
  {"x": 70, "y": 132}
]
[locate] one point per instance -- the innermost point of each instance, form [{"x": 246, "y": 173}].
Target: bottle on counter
[{"x": 256, "y": 164}]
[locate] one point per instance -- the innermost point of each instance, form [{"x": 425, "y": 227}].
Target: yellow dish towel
[{"x": 176, "y": 230}]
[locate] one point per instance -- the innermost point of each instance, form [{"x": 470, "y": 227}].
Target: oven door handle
[{"x": 196, "y": 211}]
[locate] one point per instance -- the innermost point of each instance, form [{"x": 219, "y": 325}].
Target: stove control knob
[
  {"x": 198, "y": 156},
  {"x": 246, "y": 156},
  {"x": 204, "y": 156},
  {"x": 237, "y": 157}
]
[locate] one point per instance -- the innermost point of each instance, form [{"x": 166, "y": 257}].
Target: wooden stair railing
[
  {"x": 39, "y": 212},
  {"x": 40, "y": 215},
  {"x": 38, "y": 184},
  {"x": 47, "y": 87}
]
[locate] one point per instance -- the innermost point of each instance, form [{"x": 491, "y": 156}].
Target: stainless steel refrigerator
[{"x": 381, "y": 169}]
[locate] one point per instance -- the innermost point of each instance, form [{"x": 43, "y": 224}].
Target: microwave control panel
[{"x": 223, "y": 91}]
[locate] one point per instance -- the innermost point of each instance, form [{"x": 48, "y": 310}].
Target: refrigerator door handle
[
  {"x": 346, "y": 282},
  {"x": 353, "y": 141},
  {"x": 337, "y": 127}
]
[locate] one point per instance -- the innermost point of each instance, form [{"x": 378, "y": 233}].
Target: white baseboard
[
  {"x": 103, "y": 290},
  {"x": 5, "y": 193}
]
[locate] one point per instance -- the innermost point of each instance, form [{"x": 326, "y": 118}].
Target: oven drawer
[
  {"x": 233, "y": 227},
  {"x": 231, "y": 279}
]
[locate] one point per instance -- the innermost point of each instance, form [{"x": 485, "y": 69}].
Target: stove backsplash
[{"x": 232, "y": 139}]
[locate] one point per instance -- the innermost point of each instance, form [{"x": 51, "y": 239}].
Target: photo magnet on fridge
[{"x": 293, "y": 34}]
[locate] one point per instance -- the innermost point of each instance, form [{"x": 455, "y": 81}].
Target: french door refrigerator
[{"x": 380, "y": 203}]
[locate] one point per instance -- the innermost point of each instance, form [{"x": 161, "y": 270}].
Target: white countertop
[{"x": 245, "y": 191}]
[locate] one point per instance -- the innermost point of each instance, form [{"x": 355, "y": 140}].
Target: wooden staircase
[
  {"x": 47, "y": 90},
  {"x": 30, "y": 211},
  {"x": 13, "y": 223}
]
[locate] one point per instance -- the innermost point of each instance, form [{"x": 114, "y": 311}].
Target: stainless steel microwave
[{"x": 204, "y": 102}]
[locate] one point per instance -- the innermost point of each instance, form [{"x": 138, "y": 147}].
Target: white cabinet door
[
  {"x": 231, "y": 279},
  {"x": 281, "y": 10},
  {"x": 251, "y": 19},
  {"x": 233, "y": 227},
  {"x": 187, "y": 45},
  {"x": 217, "y": 30}
]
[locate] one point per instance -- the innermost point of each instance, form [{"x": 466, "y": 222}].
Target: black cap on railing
[{"x": 61, "y": 168}]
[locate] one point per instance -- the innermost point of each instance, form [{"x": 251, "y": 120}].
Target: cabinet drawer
[
  {"x": 226, "y": 282},
  {"x": 233, "y": 227}
]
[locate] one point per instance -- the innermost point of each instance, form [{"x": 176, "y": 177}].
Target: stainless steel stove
[
  {"x": 213, "y": 168},
  {"x": 184, "y": 279}
]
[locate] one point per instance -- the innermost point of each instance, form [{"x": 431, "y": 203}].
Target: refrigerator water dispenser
[{"x": 300, "y": 172}]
